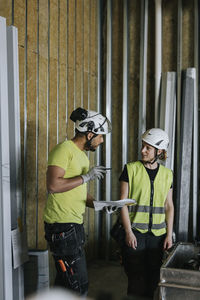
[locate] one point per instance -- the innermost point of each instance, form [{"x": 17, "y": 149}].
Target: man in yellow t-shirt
[{"x": 67, "y": 175}]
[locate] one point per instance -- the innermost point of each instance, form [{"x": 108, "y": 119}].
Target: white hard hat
[
  {"x": 90, "y": 121},
  {"x": 157, "y": 138}
]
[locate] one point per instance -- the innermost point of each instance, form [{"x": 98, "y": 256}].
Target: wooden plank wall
[{"x": 58, "y": 72}]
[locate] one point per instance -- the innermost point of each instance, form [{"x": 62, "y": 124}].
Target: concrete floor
[{"x": 107, "y": 281}]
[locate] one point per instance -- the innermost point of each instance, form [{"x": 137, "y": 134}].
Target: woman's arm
[
  {"x": 131, "y": 240},
  {"x": 169, "y": 213}
]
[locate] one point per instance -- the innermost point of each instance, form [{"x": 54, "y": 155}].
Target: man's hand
[
  {"x": 96, "y": 172},
  {"x": 110, "y": 209},
  {"x": 131, "y": 240},
  {"x": 167, "y": 243}
]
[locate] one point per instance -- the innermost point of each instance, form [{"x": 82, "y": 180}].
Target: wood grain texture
[
  {"x": 78, "y": 50},
  {"x": 86, "y": 53},
  {"x": 63, "y": 70},
  {"x": 188, "y": 34},
  {"x": 31, "y": 122},
  {"x": 6, "y": 11},
  {"x": 169, "y": 45},
  {"x": 53, "y": 74},
  {"x": 19, "y": 20},
  {"x": 70, "y": 68},
  {"x": 42, "y": 137}
]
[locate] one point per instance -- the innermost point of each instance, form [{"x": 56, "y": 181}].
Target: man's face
[
  {"x": 148, "y": 152},
  {"x": 95, "y": 142}
]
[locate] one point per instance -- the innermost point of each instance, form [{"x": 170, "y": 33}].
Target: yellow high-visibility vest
[{"x": 150, "y": 197}]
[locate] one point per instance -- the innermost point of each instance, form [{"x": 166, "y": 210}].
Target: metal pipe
[
  {"x": 15, "y": 147},
  {"x": 25, "y": 114},
  {"x": 109, "y": 116},
  {"x": 178, "y": 92},
  {"x": 143, "y": 71},
  {"x": 99, "y": 109},
  {"x": 89, "y": 74},
  {"x": 125, "y": 85},
  {"x": 179, "y": 69},
  {"x": 158, "y": 55},
  {"x": 183, "y": 185},
  {"x": 196, "y": 126},
  {"x": 168, "y": 112},
  {"x": 6, "y": 284},
  {"x": 37, "y": 128}
]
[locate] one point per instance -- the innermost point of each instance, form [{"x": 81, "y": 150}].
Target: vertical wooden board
[
  {"x": 92, "y": 75},
  {"x": 188, "y": 34},
  {"x": 134, "y": 69},
  {"x": 82, "y": 56},
  {"x": 53, "y": 64},
  {"x": 19, "y": 20},
  {"x": 31, "y": 122},
  {"x": 79, "y": 49},
  {"x": 43, "y": 31},
  {"x": 86, "y": 52},
  {"x": 169, "y": 47},
  {"x": 85, "y": 91},
  {"x": 3, "y": 3},
  {"x": 42, "y": 137},
  {"x": 70, "y": 67},
  {"x": 117, "y": 94},
  {"x": 93, "y": 106},
  {"x": 21, "y": 95},
  {"x": 63, "y": 74},
  {"x": 6, "y": 11},
  {"x": 42, "y": 149}
]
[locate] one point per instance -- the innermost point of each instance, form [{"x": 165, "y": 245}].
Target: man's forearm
[{"x": 60, "y": 185}]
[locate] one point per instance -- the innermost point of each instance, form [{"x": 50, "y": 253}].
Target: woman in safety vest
[{"x": 148, "y": 225}]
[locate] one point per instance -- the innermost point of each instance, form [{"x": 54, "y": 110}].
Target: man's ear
[
  {"x": 89, "y": 136},
  {"x": 159, "y": 151}
]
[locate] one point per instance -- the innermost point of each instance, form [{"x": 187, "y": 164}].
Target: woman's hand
[
  {"x": 167, "y": 243},
  {"x": 131, "y": 240}
]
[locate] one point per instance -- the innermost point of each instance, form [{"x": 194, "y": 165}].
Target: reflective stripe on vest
[
  {"x": 146, "y": 209},
  {"x": 145, "y": 226}
]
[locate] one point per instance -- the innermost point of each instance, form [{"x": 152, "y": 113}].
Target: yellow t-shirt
[{"x": 67, "y": 207}]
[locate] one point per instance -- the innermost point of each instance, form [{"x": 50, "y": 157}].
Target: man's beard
[{"x": 89, "y": 147}]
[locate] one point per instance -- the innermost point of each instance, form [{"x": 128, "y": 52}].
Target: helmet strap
[{"x": 155, "y": 158}]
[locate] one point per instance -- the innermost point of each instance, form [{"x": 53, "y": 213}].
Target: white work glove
[
  {"x": 96, "y": 172},
  {"x": 110, "y": 209}
]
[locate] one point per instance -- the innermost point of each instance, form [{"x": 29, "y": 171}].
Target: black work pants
[
  {"x": 66, "y": 242},
  {"x": 142, "y": 265}
]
